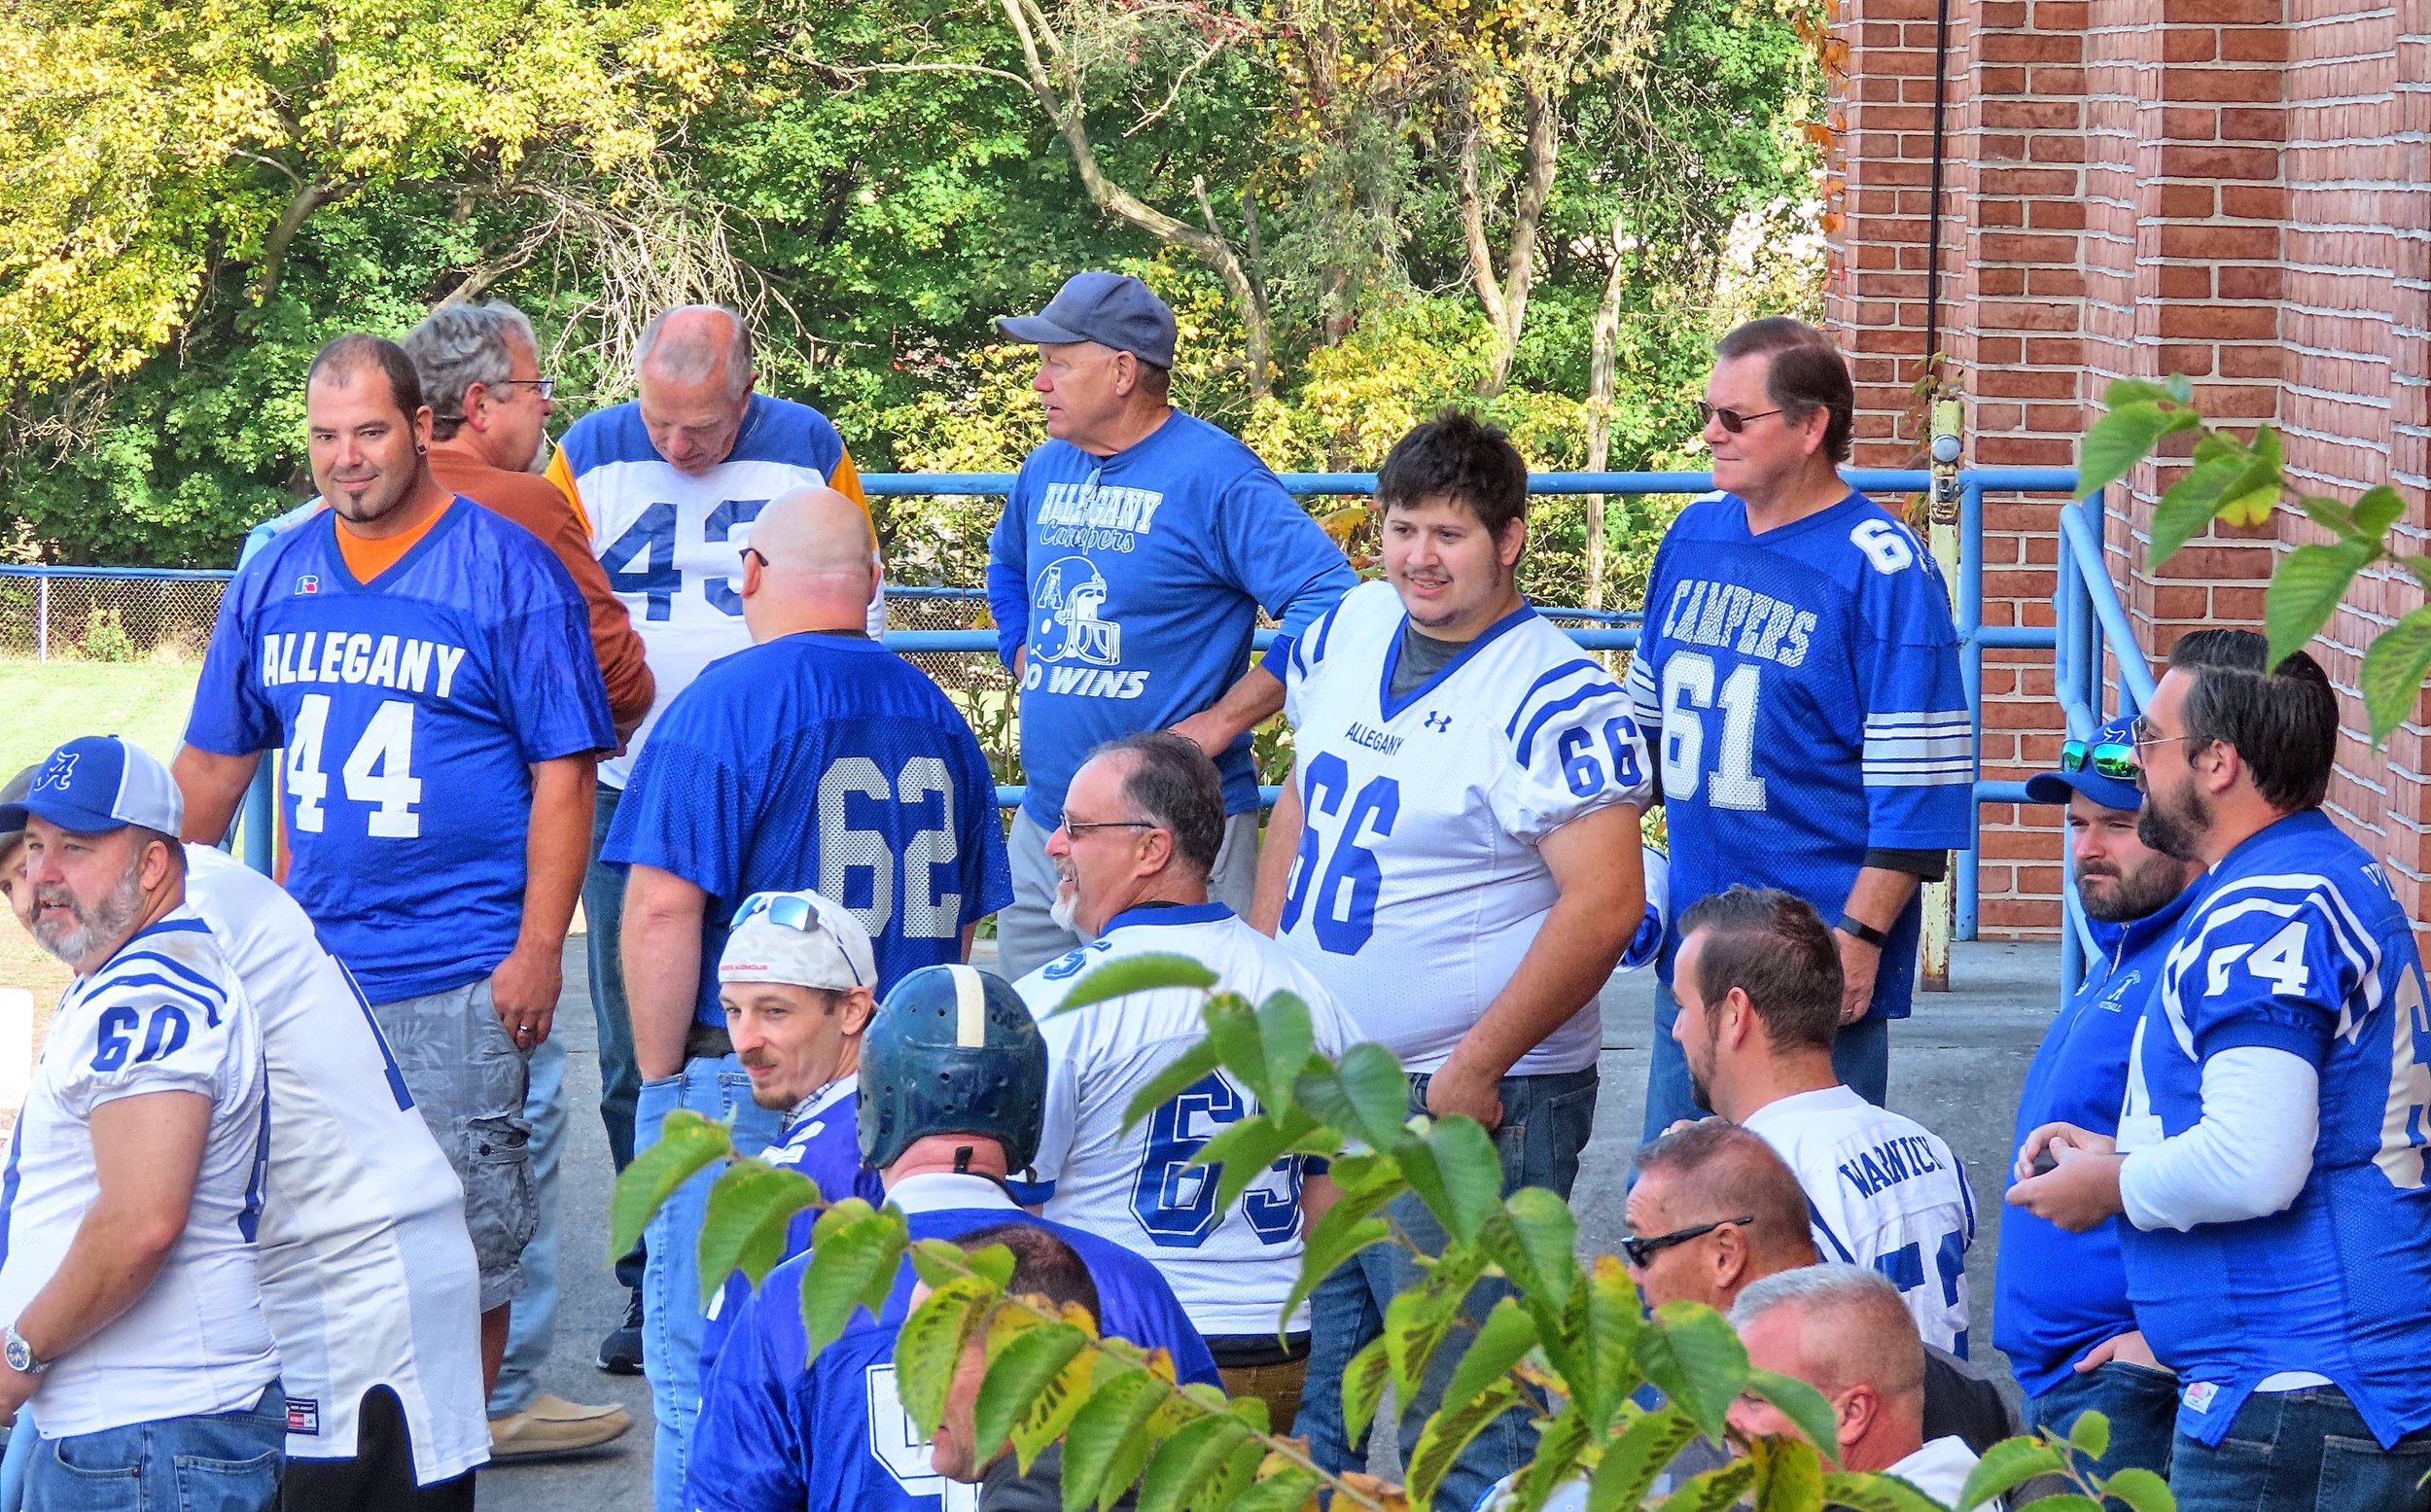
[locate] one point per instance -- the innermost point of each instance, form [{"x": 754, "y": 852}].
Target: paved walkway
[{"x": 1955, "y": 1066}]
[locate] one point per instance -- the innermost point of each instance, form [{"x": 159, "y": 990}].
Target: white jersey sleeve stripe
[{"x": 1907, "y": 722}]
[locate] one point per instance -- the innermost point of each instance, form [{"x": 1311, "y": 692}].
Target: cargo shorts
[{"x": 467, "y": 1076}]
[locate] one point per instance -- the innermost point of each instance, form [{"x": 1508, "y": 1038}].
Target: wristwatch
[
  {"x": 20, "y": 1353},
  {"x": 1858, "y": 928}
]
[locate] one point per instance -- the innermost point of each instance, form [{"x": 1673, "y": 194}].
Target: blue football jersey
[
  {"x": 2294, "y": 944},
  {"x": 820, "y": 761},
  {"x": 411, "y": 708},
  {"x": 774, "y": 1436},
  {"x": 1801, "y": 689},
  {"x": 821, "y": 1141}
]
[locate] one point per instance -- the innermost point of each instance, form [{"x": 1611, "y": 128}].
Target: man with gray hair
[
  {"x": 1843, "y": 1330},
  {"x": 481, "y": 372},
  {"x": 667, "y": 488},
  {"x": 1143, "y": 822}
]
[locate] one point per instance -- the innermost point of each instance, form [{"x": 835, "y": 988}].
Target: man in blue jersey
[
  {"x": 817, "y": 759},
  {"x": 1126, "y": 576},
  {"x": 2061, "y": 1312},
  {"x": 799, "y": 984},
  {"x": 427, "y": 666},
  {"x": 953, "y": 1077},
  {"x": 667, "y": 488},
  {"x": 2269, "y": 1158},
  {"x": 1798, "y": 679}
]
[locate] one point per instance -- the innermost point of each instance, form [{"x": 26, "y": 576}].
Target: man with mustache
[
  {"x": 426, "y": 666},
  {"x": 2062, "y": 1314},
  {"x": 130, "y": 1317}
]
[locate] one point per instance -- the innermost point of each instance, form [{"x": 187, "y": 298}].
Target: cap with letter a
[{"x": 96, "y": 783}]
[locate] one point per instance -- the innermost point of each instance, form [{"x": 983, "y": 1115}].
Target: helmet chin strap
[{"x": 961, "y": 1160}]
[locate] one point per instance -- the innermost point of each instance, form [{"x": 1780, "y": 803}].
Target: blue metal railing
[{"x": 2090, "y": 621}]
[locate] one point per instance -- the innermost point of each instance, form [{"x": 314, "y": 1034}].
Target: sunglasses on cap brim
[
  {"x": 2109, "y": 758},
  {"x": 785, "y": 910}
]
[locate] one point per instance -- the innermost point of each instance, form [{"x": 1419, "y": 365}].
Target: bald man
[
  {"x": 1844, "y": 1330},
  {"x": 669, "y": 488},
  {"x": 816, "y": 759}
]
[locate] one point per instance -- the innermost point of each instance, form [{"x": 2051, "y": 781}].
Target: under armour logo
[
  {"x": 1438, "y": 722},
  {"x": 59, "y": 773}
]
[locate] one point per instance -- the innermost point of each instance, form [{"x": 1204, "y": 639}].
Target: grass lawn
[{"x": 45, "y": 703}]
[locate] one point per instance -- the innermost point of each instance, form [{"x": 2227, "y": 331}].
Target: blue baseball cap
[
  {"x": 97, "y": 784},
  {"x": 1112, "y": 309},
  {"x": 2109, "y": 791}
]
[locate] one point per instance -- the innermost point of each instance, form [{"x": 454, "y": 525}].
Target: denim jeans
[
  {"x": 602, "y": 931},
  {"x": 2305, "y": 1450},
  {"x": 1545, "y": 1124},
  {"x": 2141, "y": 1402},
  {"x": 671, "y": 1305},
  {"x": 1860, "y": 1054},
  {"x": 532, "y": 1325},
  {"x": 221, "y": 1462}
]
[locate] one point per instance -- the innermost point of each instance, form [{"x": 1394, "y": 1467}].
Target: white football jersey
[
  {"x": 367, "y": 1274},
  {"x": 1882, "y": 1191},
  {"x": 166, "y": 1013},
  {"x": 671, "y": 542},
  {"x": 1418, "y": 887},
  {"x": 1231, "y": 1270}
]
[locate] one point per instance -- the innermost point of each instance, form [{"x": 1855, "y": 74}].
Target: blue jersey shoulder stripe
[
  {"x": 1814, "y": 1217},
  {"x": 8, "y": 1188},
  {"x": 171, "y": 926},
  {"x": 1566, "y": 669},
  {"x": 210, "y": 1006},
  {"x": 774, "y": 430},
  {"x": 176, "y": 967},
  {"x": 1527, "y": 736}
]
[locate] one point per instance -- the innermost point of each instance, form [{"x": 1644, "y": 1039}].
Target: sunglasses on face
[
  {"x": 1732, "y": 420},
  {"x": 1640, "y": 1251},
  {"x": 2109, "y": 758}
]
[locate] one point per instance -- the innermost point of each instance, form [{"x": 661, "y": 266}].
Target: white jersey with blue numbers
[
  {"x": 367, "y": 1274},
  {"x": 166, "y": 1013},
  {"x": 1231, "y": 1270},
  {"x": 671, "y": 542},
  {"x": 2294, "y": 943},
  {"x": 1884, "y": 1191},
  {"x": 1418, "y": 887},
  {"x": 1801, "y": 687}
]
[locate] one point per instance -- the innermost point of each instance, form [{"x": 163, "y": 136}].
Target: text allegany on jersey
[
  {"x": 1726, "y": 613},
  {"x": 383, "y": 662}
]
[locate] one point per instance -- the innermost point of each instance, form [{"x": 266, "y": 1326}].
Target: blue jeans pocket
[{"x": 227, "y": 1485}]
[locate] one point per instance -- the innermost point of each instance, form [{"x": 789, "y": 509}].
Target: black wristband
[{"x": 1863, "y": 931}]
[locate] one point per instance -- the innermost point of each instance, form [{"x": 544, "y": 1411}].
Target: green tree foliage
[
  {"x": 1573, "y": 1341},
  {"x": 2242, "y": 482},
  {"x": 198, "y": 197}
]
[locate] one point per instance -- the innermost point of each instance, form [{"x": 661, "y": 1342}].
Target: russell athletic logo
[{"x": 307, "y": 584}]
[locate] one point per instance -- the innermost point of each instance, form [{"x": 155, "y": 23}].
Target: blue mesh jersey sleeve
[
  {"x": 750, "y": 1448},
  {"x": 548, "y": 676},
  {"x": 682, "y": 810},
  {"x": 230, "y": 715},
  {"x": 1919, "y": 759},
  {"x": 2270, "y": 963}
]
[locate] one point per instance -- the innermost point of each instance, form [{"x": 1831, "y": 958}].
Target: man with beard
[
  {"x": 480, "y": 368},
  {"x": 427, "y": 667},
  {"x": 1758, "y": 982},
  {"x": 130, "y": 1320},
  {"x": 2061, "y": 1313},
  {"x": 2269, "y": 1158},
  {"x": 815, "y": 757}
]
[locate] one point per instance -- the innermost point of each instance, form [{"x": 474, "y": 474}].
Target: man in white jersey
[
  {"x": 1759, "y": 987},
  {"x": 1457, "y": 858},
  {"x": 1144, "y": 820},
  {"x": 669, "y": 486},
  {"x": 368, "y": 1277},
  {"x": 132, "y": 1320}
]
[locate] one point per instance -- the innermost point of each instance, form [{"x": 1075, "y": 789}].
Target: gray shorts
[{"x": 468, "y": 1079}]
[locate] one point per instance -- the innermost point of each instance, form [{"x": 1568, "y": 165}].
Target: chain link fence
[{"x": 107, "y": 615}]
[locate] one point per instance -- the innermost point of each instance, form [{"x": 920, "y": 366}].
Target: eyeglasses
[
  {"x": 2109, "y": 758},
  {"x": 2146, "y": 735},
  {"x": 747, "y": 552},
  {"x": 548, "y": 387},
  {"x": 788, "y": 911},
  {"x": 1732, "y": 420},
  {"x": 1078, "y": 830},
  {"x": 1640, "y": 1251}
]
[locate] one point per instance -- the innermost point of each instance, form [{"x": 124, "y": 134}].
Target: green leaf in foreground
[
  {"x": 1875, "y": 1493},
  {"x": 2122, "y": 438},
  {"x": 1186, "y": 1069},
  {"x": 856, "y": 1251},
  {"x": 929, "y": 1347},
  {"x": 1187, "y": 1462},
  {"x": 2306, "y": 588},
  {"x": 2394, "y": 666},
  {"x": 1120, "y": 1407},
  {"x": 1692, "y": 1356},
  {"x": 2010, "y": 1465},
  {"x": 2250, "y": 499},
  {"x": 2090, "y": 1435},
  {"x": 1135, "y": 974},
  {"x": 1632, "y": 1460},
  {"x": 1019, "y": 1375},
  {"x": 1802, "y": 1405},
  {"x": 1448, "y": 1431},
  {"x": 2186, "y": 510},
  {"x": 687, "y": 1144},
  {"x": 2141, "y": 1489},
  {"x": 1714, "y": 1490},
  {"x": 750, "y": 1209}
]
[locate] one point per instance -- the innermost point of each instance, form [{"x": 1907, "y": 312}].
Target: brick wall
[{"x": 2232, "y": 189}]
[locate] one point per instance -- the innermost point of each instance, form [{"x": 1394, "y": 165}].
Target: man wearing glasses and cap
[
  {"x": 1798, "y": 682},
  {"x": 2062, "y": 1313},
  {"x": 815, "y": 757},
  {"x": 1126, "y": 576}
]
